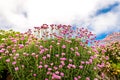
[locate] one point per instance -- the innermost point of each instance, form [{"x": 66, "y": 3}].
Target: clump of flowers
[{"x": 55, "y": 52}]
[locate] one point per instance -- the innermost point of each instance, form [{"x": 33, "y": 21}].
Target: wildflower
[
  {"x": 49, "y": 69},
  {"x": 75, "y": 78},
  {"x": 40, "y": 66},
  {"x": 57, "y": 72},
  {"x": 51, "y": 46},
  {"x": 62, "y": 59},
  {"x": 48, "y": 72},
  {"x": 14, "y": 57},
  {"x": 74, "y": 66},
  {"x": 16, "y": 68},
  {"x": 54, "y": 76},
  {"x": 22, "y": 38},
  {"x": 41, "y": 47},
  {"x": 34, "y": 75},
  {"x": 48, "y": 55},
  {"x": 71, "y": 49},
  {"x": 82, "y": 62},
  {"x": 76, "y": 48},
  {"x": 55, "y": 67},
  {"x": 13, "y": 63},
  {"x": 45, "y": 65},
  {"x": 58, "y": 43},
  {"x": 8, "y": 60},
  {"x": 22, "y": 66},
  {"x": 17, "y": 55},
  {"x": 44, "y": 57},
  {"x": 36, "y": 56},
  {"x": 51, "y": 64},
  {"x": 63, "y": 54},
  {"x": 87, "y": 78},
  {"x": 87, "y": 62},
  {"x": 57, "y": 55},
  {"x": 90, "y": 61},
  {"x": 21, "y": 46},
  {"x": 77, "y": 53},
  {"x": 107, "y": 58},
  {"x": 46, "y": 78},
  {"x": 60, "y": 66},
  {"x": 81, "y": 67},
  {"x": 13, "y": 51},
  {"x": 62, "y": 74},
  {"x": 33, "y": 54},
  {"x": 79, "y": 77},
  {"x": 40, "y": 62},
  {"x": 63, "y": 46}
]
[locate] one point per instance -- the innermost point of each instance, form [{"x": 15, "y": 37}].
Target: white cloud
[{"x": 57, "y": 11}]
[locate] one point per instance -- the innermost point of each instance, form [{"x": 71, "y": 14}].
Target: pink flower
[
  {"x": 51, "y": 64},
  {"x": 7, "y": 60},
  {"x": 48, "y": 72},
  {"x": 71, "y": 49},
  {"x": 76, "y": 48},
  {"x": 49, "y": 69},
  {"x": 77, "y": 53},
  {"x": 1, "y": 51},
  {"x": 48, "y": 55},
  {"x": 87, "y": 78},
  {"x": 41, "y": 47},
  {"x": 79, "y": 77},
  {"x": 34, "y": 75},
  {"x": 90, "y": 60},
  {"x": 42, "y": 51},
  {"x": 55, "y": 67},
  {"x": 82, "y": 62},
  {"x": 40, "y": 62},
  {"x": 21, "y": 46},
  {"x": 62, "y": 74},
  {"x": 62, "y": 59},
  {"x": 54, "y": 76},
  {"x": 13, "y": 63},
  {"x": 58, "y": 43},
  {"x": 63, "y": 46},
  {"x": 22, "y": 66},
  {"x": 40, "y": 66},
  {"x": 16, "y": 68},
  {"x": 107, "y": 58},
  {"x": 17, "y": 55},
  {"x": 13, "y": 51},
  {"x": 63, "y": 54},
  {"x": 70, "y": 60},
  {"x": 74, "y": 66},
  {"x": 33, "y": 54},
  {"x": 51, "y": 46},
  {"x": 57, "y": 55},
  {"x": 57, "y": 72},
  {"x": 44, "y": 57},
  {"x": 60, "y": 66},
  {"x": 81, "y": 67},
  {"x": 46, "y": 78},
  {"x": 87, "y": 62},
  {"x": 75, "y": 78},
  {"x": 22, "y": 38},
  {"x": 46, "y": 66}
]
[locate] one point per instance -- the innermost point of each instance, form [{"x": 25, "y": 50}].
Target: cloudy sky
[{"x": 100, "y": 16}]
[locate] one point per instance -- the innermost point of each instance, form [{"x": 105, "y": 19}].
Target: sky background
[{"x": 102, "y": 17}]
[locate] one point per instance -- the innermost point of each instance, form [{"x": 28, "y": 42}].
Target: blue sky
[{"x": 99, "y": 16}]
